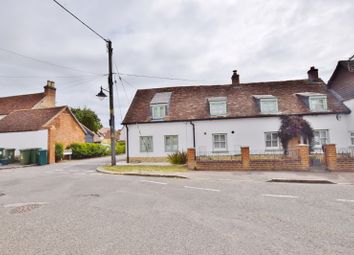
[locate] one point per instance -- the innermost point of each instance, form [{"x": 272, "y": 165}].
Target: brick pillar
[
  {"x": 245, "y": 157},
  {"x": 191, "y": 159},
  {"x": 303, "y": 151},
  {"x": 330, "y": 154},
  {"x": 51, "y": 144}
]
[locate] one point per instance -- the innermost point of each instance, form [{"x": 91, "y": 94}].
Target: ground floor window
[
  {"x": 321, "y": 137},
  {"x": 220, "y": 142},
  {"x": 171, "y": 143},
  {"x": 146, "y": 144},
  {"x": 272, "y": 140},
  {"x": 352, "y": 137}
]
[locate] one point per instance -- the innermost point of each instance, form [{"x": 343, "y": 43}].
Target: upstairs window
[
  {"x": 158, "y": 111},
  {"x": 318, "y": 103},
  {"x": 217, "y": 106},
  {"x": 269, "y": 105},
  {"x": 159, "y": 105}
]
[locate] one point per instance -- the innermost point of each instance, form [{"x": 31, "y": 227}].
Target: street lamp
[{"x": 101, "y": 94}]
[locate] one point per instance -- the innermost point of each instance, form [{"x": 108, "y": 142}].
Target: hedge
[{"x": 88, "y": 150}]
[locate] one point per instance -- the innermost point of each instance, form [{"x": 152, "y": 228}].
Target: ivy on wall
[{"x": 295, "y": 126}]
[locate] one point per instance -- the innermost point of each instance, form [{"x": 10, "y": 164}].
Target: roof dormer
[
  {"x": 268, "y": 104},
  {"x": 316, "y": 102},
  {"x": 217, "y": 106},
  {"x": 159, "y": 105}
]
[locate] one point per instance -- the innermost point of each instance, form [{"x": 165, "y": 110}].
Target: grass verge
[{"x": 146, "y": 168}]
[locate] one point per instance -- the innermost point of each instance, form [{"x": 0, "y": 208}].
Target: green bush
[
  {"x": 59, "y": 151},
  {"x": 179, "y": 157},
  {"x": 120, "y": 147},
  {"x": 88, "y": 150}
]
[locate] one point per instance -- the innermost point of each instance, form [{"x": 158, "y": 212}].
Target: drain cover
[
  {"x": 90, "y": 195},
  {"x": 2, "y": 194},
  {"x": 24, "y": 208}
]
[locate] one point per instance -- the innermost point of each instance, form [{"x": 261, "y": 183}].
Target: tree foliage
[
  {"x": 295, "y": 126},
  {"x": 87, "y": 117}
]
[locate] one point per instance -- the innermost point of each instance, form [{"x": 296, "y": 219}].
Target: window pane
[
  {"x": 219, "y": 141},
  {"x": 171, "y": 143},
  {"x": 217, "y": 108},
  {"x": 145, "y": 143},
  {"x": 158, "y": 111},
  {"x": 269, "y": 105}
]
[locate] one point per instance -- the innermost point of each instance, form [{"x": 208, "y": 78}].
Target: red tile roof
[
  {"x": 29, "y": 120},
  {"x": 13, "y": 103},
  {"x": 190, "y": 102}
]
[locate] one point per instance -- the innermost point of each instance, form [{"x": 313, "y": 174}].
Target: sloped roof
[
  {"x": 29, "y": 120},
  {"x": 190, "y": 102},
  {"x": 342, "y": 79},
  {"x": 13, "y": 103}
]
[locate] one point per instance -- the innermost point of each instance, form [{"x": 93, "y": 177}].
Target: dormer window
[
  {"x": 217, "y": 106},
  {"x": 159, "y": 105},
  {"x": 267, "y": 103},
  {"x": 318, "y": 103}
]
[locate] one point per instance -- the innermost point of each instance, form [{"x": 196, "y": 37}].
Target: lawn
[{"x": 147, "y": 168}]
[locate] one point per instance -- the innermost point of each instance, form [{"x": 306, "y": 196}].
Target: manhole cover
[
  {"x": 2, "y": 194},
  {"x": 24, "y": 208}
]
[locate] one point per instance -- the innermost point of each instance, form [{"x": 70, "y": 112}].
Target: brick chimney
[
  {"x": 235, "y": 78},
  {"x": 313, "y": 74},
  {"x": 49, "y": 91}
]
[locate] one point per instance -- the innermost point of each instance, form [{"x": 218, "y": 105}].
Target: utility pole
[
  {"x": 110, "y": 84},
  {"x": 111, "y": 104}
]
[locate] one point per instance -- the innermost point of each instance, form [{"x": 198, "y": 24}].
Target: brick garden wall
[{"x": 335, "y": 162}]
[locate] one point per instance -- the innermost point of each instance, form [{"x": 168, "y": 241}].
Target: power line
[
  {"x": 161, "y": 77},
  {"x": 40, "y": 76},
  {"x": 44, "y": 62},
  {"x": 83, "y": 23}
]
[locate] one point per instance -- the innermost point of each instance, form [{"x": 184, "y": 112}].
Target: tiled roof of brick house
[
  {"x": 13, "y": 103},
  {"x": 191, "y": 102},
  {"x": 342, "y": 79},
  {"x": 29, "y": 120}
]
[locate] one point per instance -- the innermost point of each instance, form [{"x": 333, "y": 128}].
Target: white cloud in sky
[{"x": 195, "y": 39}]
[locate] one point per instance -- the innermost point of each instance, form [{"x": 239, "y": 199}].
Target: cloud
[{"x": 197, "y": 40}]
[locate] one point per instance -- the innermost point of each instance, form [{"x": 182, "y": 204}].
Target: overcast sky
[{"x": 197, "y": 40}]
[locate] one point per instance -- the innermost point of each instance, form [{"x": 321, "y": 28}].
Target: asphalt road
[{"x": 71, "y": 209}]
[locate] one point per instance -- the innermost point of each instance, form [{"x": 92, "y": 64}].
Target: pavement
[{"x": 69, "y": 208}]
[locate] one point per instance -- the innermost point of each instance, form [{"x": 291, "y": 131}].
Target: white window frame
[
  {"x": 163, "y": 111},
  {"x": 351, "y": 135},
  {"x": 312, "y": 103},
  {"x": 319, "y": 139},
  {"x": 171, "y": 148},
  {"x": 143, "y": 146},
  {"x": 271, "y": 141},
  {"x": 214, "y": 104},
  {"x": 267, "y": 100},
  {"x": 224, "y": 149}
]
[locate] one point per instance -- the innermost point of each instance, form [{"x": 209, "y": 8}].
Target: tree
[
  {"x": 88, "y": 118},
  {"x": 295, "y": 126}
]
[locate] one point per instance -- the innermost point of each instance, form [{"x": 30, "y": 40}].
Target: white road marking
[
  {"x": 23, "y": 204},
  {"x": 345, "y": 183},
  {"x": 275, "y": 195},
  {"x": 162, "y": 183},
  {"x": 189, "y": 187},
  {"x": 345, "y": 200}
]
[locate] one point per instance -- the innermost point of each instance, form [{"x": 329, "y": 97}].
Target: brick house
[
  {"x": 220, "y": 119},
  {"x": 33, "y": 121}
]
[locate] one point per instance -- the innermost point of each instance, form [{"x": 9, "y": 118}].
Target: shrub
[
  {"x": 179, "y": 157},
  {"x": 120, "y": 147},
  {"x": 88, "y": 150},
  {"x": 59, "y": 151}
]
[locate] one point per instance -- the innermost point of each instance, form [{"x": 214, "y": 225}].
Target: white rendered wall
[
  {"x": 350, "y": 117},
  {"x": 158, "y": 131},
  {"x": 247, "y": 132},
  {"x": 24, "y": 140}
]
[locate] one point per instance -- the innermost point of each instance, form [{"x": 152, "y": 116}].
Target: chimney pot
[
  {"x": 235, "y": 78},
  {"x": 313, "y": 74}
]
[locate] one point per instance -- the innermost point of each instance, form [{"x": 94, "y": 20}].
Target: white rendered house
[{"x": 219, "y": 119}]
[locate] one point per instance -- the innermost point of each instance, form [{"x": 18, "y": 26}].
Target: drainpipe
[
  {"x": 127, "y": 143},
  {"x": 193, "y": 133}
]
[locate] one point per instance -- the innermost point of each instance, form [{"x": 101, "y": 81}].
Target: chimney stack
[
  {"x": 313, "y": 74},
  {"x": 235, "y": 78},
  {"x": 50, "y": 93}
]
